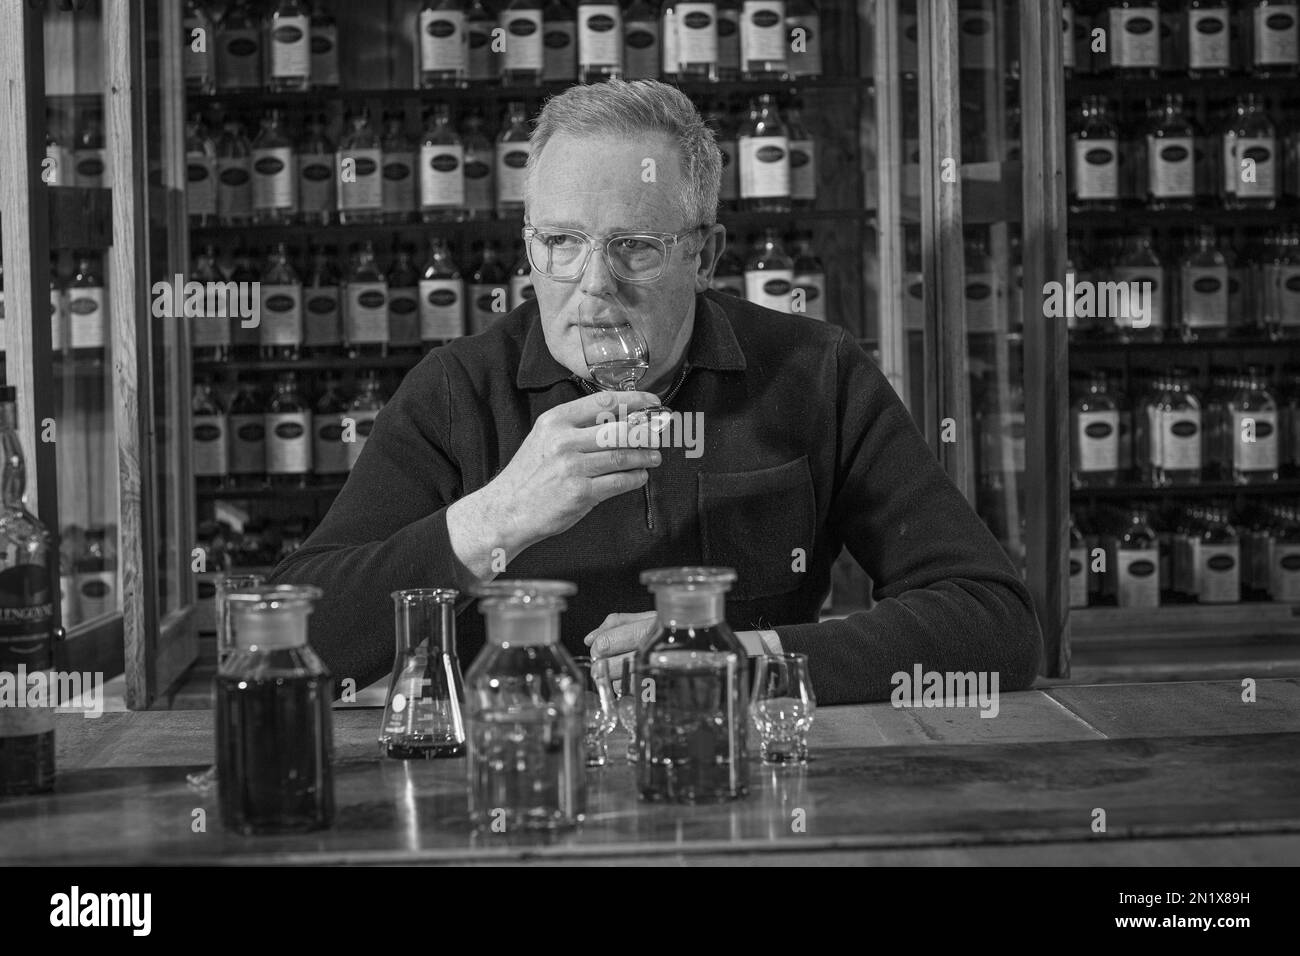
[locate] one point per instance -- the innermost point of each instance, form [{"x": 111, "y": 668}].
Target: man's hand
[
  {"x": 620, "y": 634},
  {"x": 566, "y": 466}
]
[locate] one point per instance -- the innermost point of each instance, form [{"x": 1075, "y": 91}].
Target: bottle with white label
[
  {"x": 1272, "y": 35},
  {"x": 95, "y": 576},
  {"x": 288, "y": 47},
  {"x": 442, "y": 296},
  {"x": 275, "y": 180},
  {"x": 1139, "y": 312},
  {"x": 1270, "y": 262},
  {"x": 521, "y": 281},
  {"x": 329, "y": 455},
  {"x": 1133, "y": 32},
  {"x": 288, "y": 433},
  {"x": 1288, "y": 284},
  {"x": 198, "y": 49},
  {"x": 398, "y": 189},
  {"x": 803, "y": 160},
  {"x": 484, "y": 60},
  {"x": 88, "y": 310},
  {"x": 512, "y": 160},
  {"x": 1207, "y": 31},
  {"x": 522, "y": 60},
  {"x": 234, "y": 175},
  {"x": 1069, "y": 53},
  {"x": 642, "y": 46},
  {"x": 1203, "y": 289},
  {"x": 245, "y": 337},
  {"x": 57, "y": 168},
  {"x": 1171, "y": 156},
  {"x": 365, "y": 305},
  {"x": 1253, "y": 423},
  {"x": 441, "y": 165},
  {"x": 239, "y": 49},
  {"x": 1176, "y": 425},
  {"x": 1250, "y": 157},
  {"x": 808, "y": 296},
  {"x": 322, "y": 312},
  {"x": 1137, "y": 563},
  {"x": 1218, "y": 572},
  {"x": 200, "y": 174},
  {"x": 764, "y": 41},
  {"x": 324, "y": 48},
  {"x": 1094, "y": 158},
  {"x": 209, "y": 334},
  {"x": 1078, "y": 552},
  {"x": 362, "y": 411},
  {"x": 209, "y": 454},
  {"x": 281, "y": 326},
  {"x": 669, "y": 34},
  {"x": 764, "y": 153},
  {"x": 600, "y": 41},
  {"x": 803, "y": 25},
  {"x": 724, "y": 133},
  {"x": 1283, "y": 558},
  {"x": 489, "y": 290},
  {"x": 560, "y": 42},
  {"x": 480, "y": 169},
  {"x": 403, "y": 302},
  {"x": 442, "y": 44},
  {"x": 695, "y": 40},
  {"x": 1094, "y": 432},
  {"x": 360, "y": 172},
  {"x": 89, "y": 158},
  {"x": 247, "y": 428},
  {"x": 769, "y": 273},
  {"x": 317, "y": 175}
]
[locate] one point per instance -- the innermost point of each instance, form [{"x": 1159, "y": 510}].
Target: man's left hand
[{"x": 620, "y": 634}]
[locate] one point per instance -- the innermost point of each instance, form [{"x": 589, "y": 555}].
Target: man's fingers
[
  {"x": 604, "y": 487},
  {"x": 619, "y": 459},
  {"x": 589, "y": 409}
]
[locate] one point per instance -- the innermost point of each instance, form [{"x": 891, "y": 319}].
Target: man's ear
[{"x": 714, "y": 242}]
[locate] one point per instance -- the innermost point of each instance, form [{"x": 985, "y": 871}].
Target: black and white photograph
[{"x": 650, "y": 433}]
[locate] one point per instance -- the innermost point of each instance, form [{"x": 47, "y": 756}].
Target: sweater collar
[{"x": 713, "y": 346}]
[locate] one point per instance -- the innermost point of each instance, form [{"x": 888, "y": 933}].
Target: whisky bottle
[
  {"x": 442, "y": 296},
  {"x": 512, "y": 160},
  {"x": 322, "y": 314},
  {"x": 398, "y": 189},
  {"x": 1250, "y": 168},
  {"x": 764, "y": 153},
  {"x": 234, "y": 175},
  {"x": 443, "y": 46},
  {"x": 275, "y": 186},
  {"x": 198, "y": 61},
  {"x": 360, "y": 172},
  {"x": 489, "y": 290},
  {"x": 365, "y": 308},
  {"x": 769, "y": 273},
  {"x": 288, "y": 47},
  {"x": 1203, "y": 290},
  {"x": 324, "y": 48},
  {"x": 1208, "y": 33},
  {"x": 363, "y": 410},
  {"x": 317, "y": 175},
  {"x": 560, "y": 42},
  {"x": 210, "y": 453},
  {"x": 239, "y": 49},
  {"x": 641, "y": 41},
  {"x": 288, "y": 433},
  {"x": 697, "y": 41},
  {"x": 403, "y": 302},
  {"x": 600, "y": 41},
  {"x": 480, "y": 170},
  {"x": 1094, "y": 158},
  {"x": 200, "y": 173},
  {"x": 281, "y": 307},
  {"x": 1171, "y": 155},
  {"x": 484, "y": 65},
  {"x": 524, "y": 56},
  {"x": 764, "y": 42},
  {"x": 441, "y": 166}
]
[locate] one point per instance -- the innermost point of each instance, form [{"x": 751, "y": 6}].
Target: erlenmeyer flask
[{"x": 424, "y": 713}]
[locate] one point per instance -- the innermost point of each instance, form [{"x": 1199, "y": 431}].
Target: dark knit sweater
[{"x": 806, "y": 445}]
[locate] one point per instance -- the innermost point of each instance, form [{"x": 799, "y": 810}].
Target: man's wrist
[{"x": 479, "y": 532}]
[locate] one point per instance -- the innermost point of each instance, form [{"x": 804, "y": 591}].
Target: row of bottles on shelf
[
  {"x": 447, "y": 175},
  {"x": 1166, "y": 161},
  {"x": 1205, "y": 553},
  {"x": 88, "y": 573},
  {"x": 1199, "y": 288},
  {"x": 247, "y": 544},
  {"x": 79, "y": 310},
  {"x": 252, "y": 437},
  {"x": 1174, "y": 430},
  {"x": 1145, "y": 38},
  {"x": 1242, "y": 426},
  {"x": 323, "y": 311},
  {"x": 292, "y": 46}
]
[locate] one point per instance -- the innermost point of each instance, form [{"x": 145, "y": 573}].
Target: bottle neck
[
  {"x": 523, "y": 626},
  {"x": 690, "y": 608},
  {"x": 13, "y": 485}
]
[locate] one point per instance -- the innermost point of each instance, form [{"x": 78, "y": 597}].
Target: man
[{"x": 491, "y": 457}]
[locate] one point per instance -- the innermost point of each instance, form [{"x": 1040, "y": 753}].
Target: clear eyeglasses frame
[{"x": 641, "y": 258}]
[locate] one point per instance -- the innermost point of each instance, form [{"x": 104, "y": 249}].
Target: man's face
[{"x": 598, "y": 186}]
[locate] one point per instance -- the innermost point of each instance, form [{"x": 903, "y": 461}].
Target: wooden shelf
[
  {"x": 1209, "y": 87},
  {"x": 1284, "y": 213},
  {"x": 340, "y": 363},
  {"x": 1092, "y": 346},
  {"x": 493, "y": 92},
  {"x": 1183, "y": 624},
  {"x": 1206, "y": 489},
  {"x": 282, "y": 492}
]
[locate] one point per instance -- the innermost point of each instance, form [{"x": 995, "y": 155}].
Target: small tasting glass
[{"x": 781, "y": 707}]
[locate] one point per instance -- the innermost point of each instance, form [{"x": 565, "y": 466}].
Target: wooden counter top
[{"x": 1187, "y": 761}]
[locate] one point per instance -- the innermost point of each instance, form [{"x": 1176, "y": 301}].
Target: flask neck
[{"x": 690, "y": 608}]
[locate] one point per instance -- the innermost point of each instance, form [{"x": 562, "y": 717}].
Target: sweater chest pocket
[{"x": 754, "y": 522}]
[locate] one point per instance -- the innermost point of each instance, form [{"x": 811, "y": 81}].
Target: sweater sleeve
[
  {"x": 947, "y": 596},
  {"x": 387, "y": 528}
]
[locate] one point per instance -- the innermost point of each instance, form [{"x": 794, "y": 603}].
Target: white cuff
[{"x": 758, "y": 643}]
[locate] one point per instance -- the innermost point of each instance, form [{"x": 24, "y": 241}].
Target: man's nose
[{"x": 597, "y": 279}]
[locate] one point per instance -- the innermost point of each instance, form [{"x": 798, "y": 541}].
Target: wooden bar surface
[{"x": 1186, "y": 773}]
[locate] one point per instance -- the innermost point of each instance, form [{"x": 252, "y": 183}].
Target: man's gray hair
[{"x": 621, "y": 108}]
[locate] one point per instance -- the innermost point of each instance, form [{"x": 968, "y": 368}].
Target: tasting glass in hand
[
  {"x": 600, "y": 716},
  {"x": 616, "y": 673},
  {"x": 615, "y": 352},
  {"x": 225, "y": 644},
  {"x": 781, "y": 707}
]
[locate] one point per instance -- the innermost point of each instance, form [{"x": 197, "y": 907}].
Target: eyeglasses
[{"x": 632, "y": 256}]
